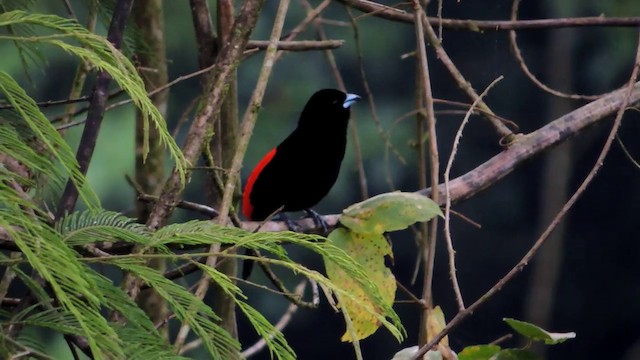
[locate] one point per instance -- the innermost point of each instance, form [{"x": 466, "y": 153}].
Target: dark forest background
[{"x": 589, "y": 269}]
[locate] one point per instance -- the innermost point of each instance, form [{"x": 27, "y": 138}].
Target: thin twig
[
  {"x": 505, "y": 133},
  {"x": 523, "y": 65},
  {"x": 429, "y": 243},
  {"x": 447, "y": 212},
  {"x": 626, "y": 152},
  {"x": 248, "y": 123},
  {"x": 301, "y": 45},
  {"x": 466, "y": 218},
  {"x": 280, "y": 325},
  {"x": 312, "y": 14},
  {"x": 353, "y": 127},
  {"x": 421, "y": 231},
  {"x": 369, "y": 94},
  {"x": 414, "y": 299},
  {"x": 393, "y": 14},
  {"x": 501, "y": 339}
]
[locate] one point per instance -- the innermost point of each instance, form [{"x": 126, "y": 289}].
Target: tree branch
[
  {"x": 96, "y": 109},
  {"x": 534, "y": 143},
  {"x": 226, "y": 63},
  {"x": 390, "y": 13},
  {"x": 469, "y": 184}
]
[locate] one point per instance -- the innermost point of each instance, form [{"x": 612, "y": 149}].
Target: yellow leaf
[
  {"x": 369, "y": 251},
  {"x": 435, "y": 324}
]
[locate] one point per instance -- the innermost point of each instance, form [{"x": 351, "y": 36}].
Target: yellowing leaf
[
  {"x": 435, "y": 324},
  {"x": 478, "y": 352},
  {"x": 369, "y": 251},
  {"x": 389, "y": 212}
]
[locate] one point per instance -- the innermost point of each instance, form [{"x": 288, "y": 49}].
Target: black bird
[{"x": 299, "y": 172}]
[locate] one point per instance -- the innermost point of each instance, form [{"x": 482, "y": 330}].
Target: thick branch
[
  {"x": 226, "y": 63},
  {"x": 534, "y": 143}
]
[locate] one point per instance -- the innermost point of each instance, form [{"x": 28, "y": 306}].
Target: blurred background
[{"x": 586, "y": 278}]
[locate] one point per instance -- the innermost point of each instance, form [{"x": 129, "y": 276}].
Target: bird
[{"x": 300, "y": 171}]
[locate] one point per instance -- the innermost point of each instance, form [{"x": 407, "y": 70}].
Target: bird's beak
[{"x": 351, "y": 98}]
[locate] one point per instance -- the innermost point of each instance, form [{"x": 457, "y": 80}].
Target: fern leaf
[
  {"x": 189, "y": 309},
  {"x": 46, "y": 133},
  {"x": 101, "y": 53}
]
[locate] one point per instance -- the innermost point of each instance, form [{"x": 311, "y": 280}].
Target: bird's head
[{"x": 326, "y": 107}]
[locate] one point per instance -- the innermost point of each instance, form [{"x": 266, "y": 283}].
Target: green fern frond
[
  {"x": 26, "y": 52},
  {"x": 188, "y": 309},
  {"x": 39, "y": 166},
  {"x": 101, "y": 53},
  {"x": 116, "y": 299},
  {"x": 90, "y": 218},
  {"x": 56, "y": 320},
  {"x": 143, "y": 346},
  {"x": 206, "y": 232},
  {"x": 32, "y": 340},
  {"x": 59, "y": 266},
  {"x": 47, "y": 134},
  {"x": 276, "y": 341},
  {"x": 274, "y": 338},
  {"x": 95, "y": 226}
]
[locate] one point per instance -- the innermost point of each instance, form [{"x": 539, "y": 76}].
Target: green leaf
[
  {"x": 478, "y": 352},
  {"x": 389, "y": 212},
  {"x": 534, "y": 332},
  {"x": 514, "y": 354},
  {"x": 369, "y": 251}
]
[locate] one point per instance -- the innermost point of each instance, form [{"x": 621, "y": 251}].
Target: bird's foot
[
  {"x": 319, "y": 221},
  {"x": 290, "y": 223}
]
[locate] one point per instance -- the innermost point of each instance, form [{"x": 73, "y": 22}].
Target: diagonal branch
[
  {"x": 529, "y": 145},
  {"x": 248, "y": 122},
  {"x": 96, "y": 109},
  {"x": 226, "y": 63}
]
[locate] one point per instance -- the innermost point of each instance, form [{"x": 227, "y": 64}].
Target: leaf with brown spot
[{"x": 369, "y": 251}]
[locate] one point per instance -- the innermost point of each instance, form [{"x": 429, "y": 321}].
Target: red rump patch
[{"x": 247, "y": 207}]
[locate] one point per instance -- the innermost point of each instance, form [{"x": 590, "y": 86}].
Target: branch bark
[
  {"x": 390, "y": 13},
  {"x": 226, "y": 63},
  {"x": 527, "y": 146},
  {"x": 149, "y": 18}
]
